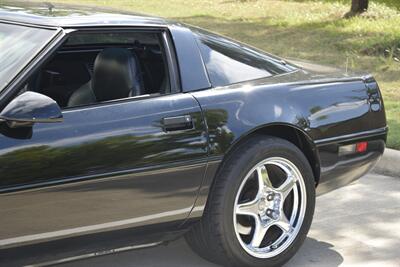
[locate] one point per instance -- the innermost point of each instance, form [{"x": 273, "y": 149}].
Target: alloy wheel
[{"x": 269, "y": 207}]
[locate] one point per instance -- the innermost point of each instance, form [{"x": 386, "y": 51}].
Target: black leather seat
[{"x": 116, "y": 75}]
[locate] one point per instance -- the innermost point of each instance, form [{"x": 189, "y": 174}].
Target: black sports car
[{"x": 125, "y": 131}]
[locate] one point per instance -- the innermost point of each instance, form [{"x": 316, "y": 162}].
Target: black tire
[{"x": 214, "y": 238}]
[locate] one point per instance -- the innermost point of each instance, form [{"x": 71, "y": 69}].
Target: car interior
[{"x": 93, "y": 67}]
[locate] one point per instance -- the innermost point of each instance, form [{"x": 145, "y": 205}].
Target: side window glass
[
  {"x": 18, "y": 45},
  {"x": 93, "y": 67},
  {"x": 228, "y": 62}
]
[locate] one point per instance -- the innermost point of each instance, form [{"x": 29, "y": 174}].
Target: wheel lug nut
[{"x": 275, "y": 215}]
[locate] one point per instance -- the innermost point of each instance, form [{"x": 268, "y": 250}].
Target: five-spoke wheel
[
  {"x": 264, "y": 224},
  {"x": 260, "y": 206}
]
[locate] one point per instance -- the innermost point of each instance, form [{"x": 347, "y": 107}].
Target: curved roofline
[{"x": 74, "y": 16}]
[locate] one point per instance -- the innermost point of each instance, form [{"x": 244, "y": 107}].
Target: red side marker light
[{"x": 361, "y": 147}]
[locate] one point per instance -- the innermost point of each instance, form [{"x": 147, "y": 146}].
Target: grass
[{"x": 307, "y": 29}]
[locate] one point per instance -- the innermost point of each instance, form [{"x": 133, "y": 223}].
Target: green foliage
[
  {"x": 393, "y": 117},
  {"x": 389, "y": 3}
]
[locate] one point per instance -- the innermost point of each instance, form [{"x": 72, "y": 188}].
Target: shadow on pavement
[
  {"x": 178, "y": 254},
  {"x": 316, "y": 253},
  {"x": 357, "y": 225}
]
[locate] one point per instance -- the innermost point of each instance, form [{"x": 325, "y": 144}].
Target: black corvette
[{"x": 126, "y": 131}]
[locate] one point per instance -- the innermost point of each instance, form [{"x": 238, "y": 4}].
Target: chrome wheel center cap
[
  {"x": 262, "y": 205},
  {"x": 269, "y": 206}
]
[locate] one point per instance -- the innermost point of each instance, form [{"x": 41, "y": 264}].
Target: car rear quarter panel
[{"x": 328, "y": 113}]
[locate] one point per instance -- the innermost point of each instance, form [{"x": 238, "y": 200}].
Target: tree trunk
[{"x": 359, "y": 6}]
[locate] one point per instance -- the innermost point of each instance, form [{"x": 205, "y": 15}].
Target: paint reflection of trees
[
  {"x": 221, "y": 137},
  {"x": 44, "y": 162},
  {"x": 123, "y": 152}
]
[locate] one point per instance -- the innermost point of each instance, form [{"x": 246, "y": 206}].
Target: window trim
[
  {"x": 115, "y": 102},
  {"x": 175, "y": 79}
]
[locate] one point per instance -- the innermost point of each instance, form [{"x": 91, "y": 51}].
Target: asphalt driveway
[{"x": 358, "y": 225}]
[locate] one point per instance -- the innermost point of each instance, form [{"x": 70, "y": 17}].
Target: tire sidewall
[{"x": 250, "y": 156}]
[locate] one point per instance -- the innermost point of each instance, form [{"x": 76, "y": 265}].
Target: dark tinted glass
[
  {"x": 229, "y": 62},
  {"x": 129, "y": 63}
]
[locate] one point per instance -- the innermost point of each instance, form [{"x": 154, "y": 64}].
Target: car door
[{"x": 116, "y": 165}]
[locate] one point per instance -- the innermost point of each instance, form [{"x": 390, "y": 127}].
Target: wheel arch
[{"x": 288, "y": 132}]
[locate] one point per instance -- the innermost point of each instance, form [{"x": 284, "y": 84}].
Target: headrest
[{"x": 116, "y": 75}]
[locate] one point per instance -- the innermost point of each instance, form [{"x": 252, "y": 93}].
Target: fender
[{"x": 252, "y": 108}]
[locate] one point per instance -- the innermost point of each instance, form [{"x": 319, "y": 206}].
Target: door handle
[{"x": 177, "y": 123}]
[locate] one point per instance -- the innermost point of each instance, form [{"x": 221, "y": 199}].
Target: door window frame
[{"x": 45, "y": 56}]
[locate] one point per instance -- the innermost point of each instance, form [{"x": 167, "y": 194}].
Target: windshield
[{"x": 18, "y": 45}]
